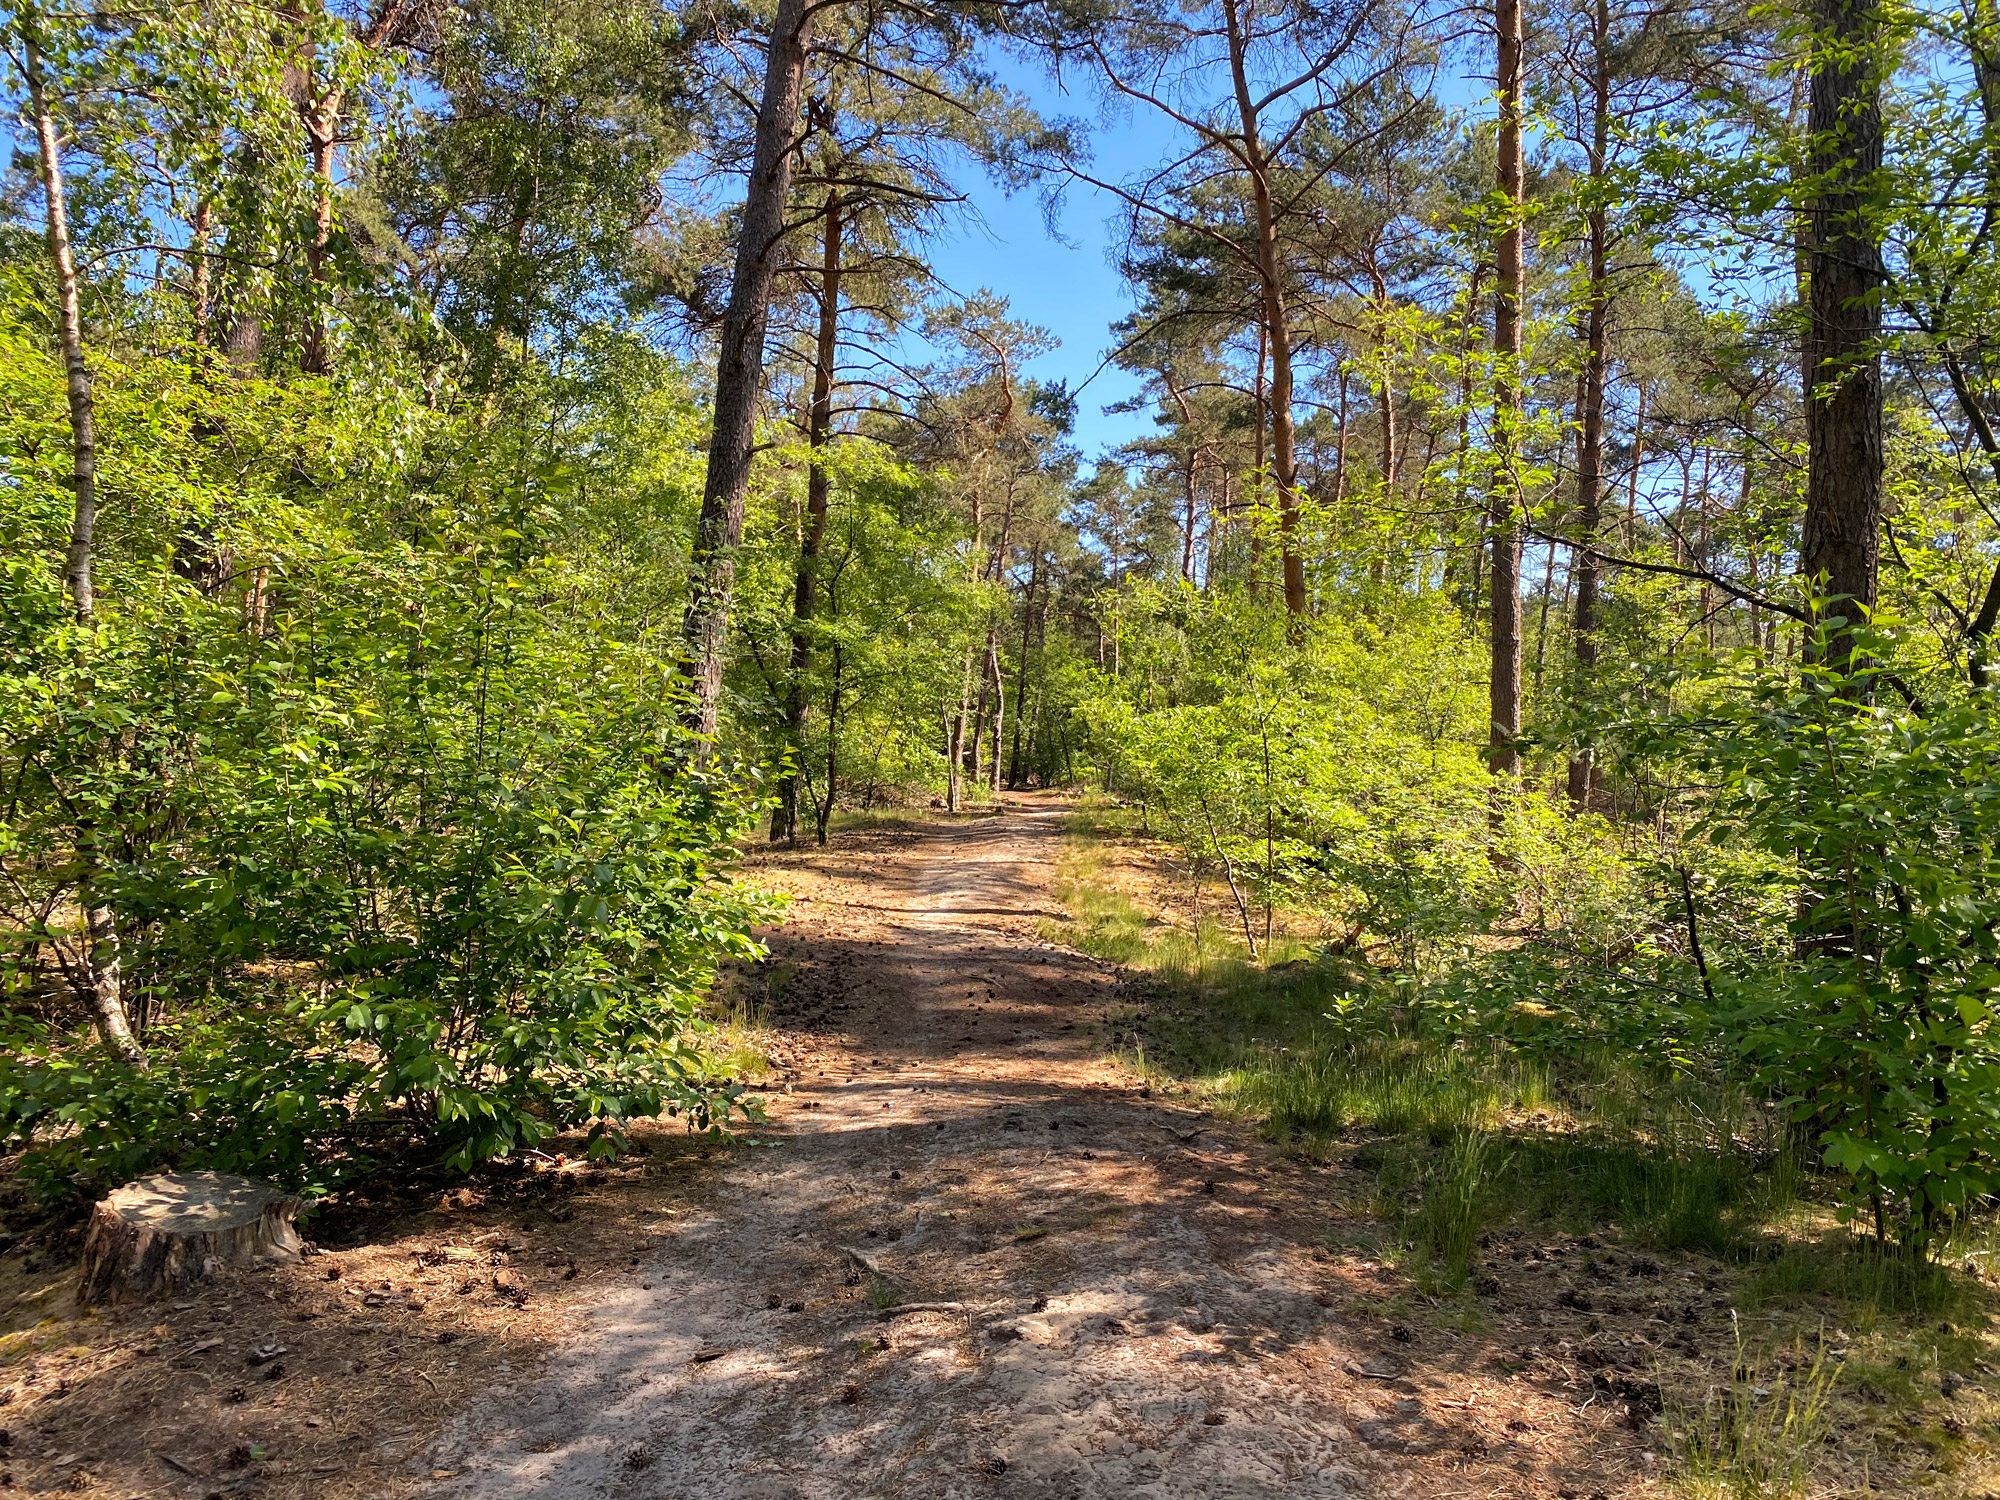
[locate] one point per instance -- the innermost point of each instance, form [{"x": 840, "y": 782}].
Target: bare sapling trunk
[
  {"x": 954, "y": 786},
  {"x": 1505, "y": 582},
  {"x": 1840, "y": 536},
  {"x": 805, "y": 584},
  {"x": 740, "y": 366},
  {"x": 824, "y": 812},
  {"x": 1236, "y": 891},
  {"x": 100, "y": 945},
  {"x": 997, "y": 678}
]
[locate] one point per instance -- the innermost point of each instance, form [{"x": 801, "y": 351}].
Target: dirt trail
[{"x": 1127, "y": 1315}]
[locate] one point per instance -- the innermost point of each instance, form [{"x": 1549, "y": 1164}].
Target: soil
[{"x": 970, "y": 1254}]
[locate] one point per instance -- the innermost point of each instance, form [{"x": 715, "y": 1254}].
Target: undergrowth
[{"x": 1464, "y": 1129}]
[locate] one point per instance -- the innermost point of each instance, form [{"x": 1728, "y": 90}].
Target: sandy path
[{"x": 1138, "y": 1311}]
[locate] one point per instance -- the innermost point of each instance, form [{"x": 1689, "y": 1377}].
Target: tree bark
[
  {"x": 1340, "y": 447},
  {"x": 824, "y": 812},
  {"x": 740, "y": 366},
  {"x": 1840, "y": 536},
  {"x": 155, "y": 1236},
  {"x": 954, "y": 787},
  {"x": 1014, "y": 772},
  {"x": 76, "y": 374},
  {"x": 1505, "y": 582},
  {"x": 101, "y": 948},
  {"x": 200, "y": 274},
  {"x": 1389, "y": 439},
  {"x": 319, "y": 112},
  {"x": 805, "y": 584}
]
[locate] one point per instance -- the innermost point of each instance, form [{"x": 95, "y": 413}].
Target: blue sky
[{"x": 1064, "y": 282}]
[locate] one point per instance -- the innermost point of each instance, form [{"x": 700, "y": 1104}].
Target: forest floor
[{"x": 970, "y": 1255}]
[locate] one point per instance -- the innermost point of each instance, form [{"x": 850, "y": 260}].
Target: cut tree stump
[{"x": 156, "y": 1235}]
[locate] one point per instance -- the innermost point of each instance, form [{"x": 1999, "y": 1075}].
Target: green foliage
[
  {"x": 1327, "y": 774},
  {"x": 1877, "y": 1032},
  {"x": 405, "y": 839}
]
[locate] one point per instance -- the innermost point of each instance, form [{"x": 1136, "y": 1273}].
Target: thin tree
[
  {"x": 102, "y": 977},
  {"x": 1505, "y": 493}
]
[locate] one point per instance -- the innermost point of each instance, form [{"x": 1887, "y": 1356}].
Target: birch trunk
[{"x": 101, "y": 948}]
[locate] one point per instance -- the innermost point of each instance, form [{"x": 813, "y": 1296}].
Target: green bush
[
  {"x": 1882, "y": 828},
  {"x": 406, "y": 844}
]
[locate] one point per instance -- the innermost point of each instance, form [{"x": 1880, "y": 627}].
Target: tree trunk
[
  {"x": 1284, "y": 460},
  {"x": 998, "y": 679},
  {"x": 1839, "y": 538},
  {"x": 954, "y": 787},
  {"x": 740, "y": 366},
  {"x": 1638, "y": 463},
  {"x": 319, "y": 112},
  {"x": 824, "y": 813},
  {"x": 1389, "y": 441},
  {"x": 1014, "y": 776},
  {"x": 1191, "y": 501},
  {"x": 1261, "y": 450},
  {"x": 1463, "y": 497},
  {"x": 200, "y": 273},
  {"x": 153, "y": 1237},
  {"x": 1590, "y": 419},
  {"x": 101, "y": 948},
  {"x": 805, "y": 584},
  {"x": 76, "y": 374},
  {"x": 1505, "y": 583},
  {"x": 1340, "y": 447}
]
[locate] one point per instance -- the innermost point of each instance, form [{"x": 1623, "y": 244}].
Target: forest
[{"x": 474, "y": 474}]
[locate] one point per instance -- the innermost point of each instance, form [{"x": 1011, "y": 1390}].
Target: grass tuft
[{"x": 1760, "y": 1435}]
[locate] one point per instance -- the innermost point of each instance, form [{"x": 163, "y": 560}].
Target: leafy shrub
[
  {"x": 404, "y": 838},
  {"x": 1882, "y": 826}
]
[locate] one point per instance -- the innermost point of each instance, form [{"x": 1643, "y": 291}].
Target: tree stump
[{"x": 156, "y": 1235}]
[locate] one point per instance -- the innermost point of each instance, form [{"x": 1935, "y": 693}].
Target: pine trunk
[
  {"x": 1284, "y": 459},
  {"x": 1840, "y": 537},
  {"x": 805, "y": 583},
  {"x": 1590, "y": 418},
  {"x": 740, "y": 366}
]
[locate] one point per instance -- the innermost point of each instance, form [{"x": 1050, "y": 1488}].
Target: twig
[
  {"x": 1694, "y": 935},
  {"x": 884, "y": 1314}
]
